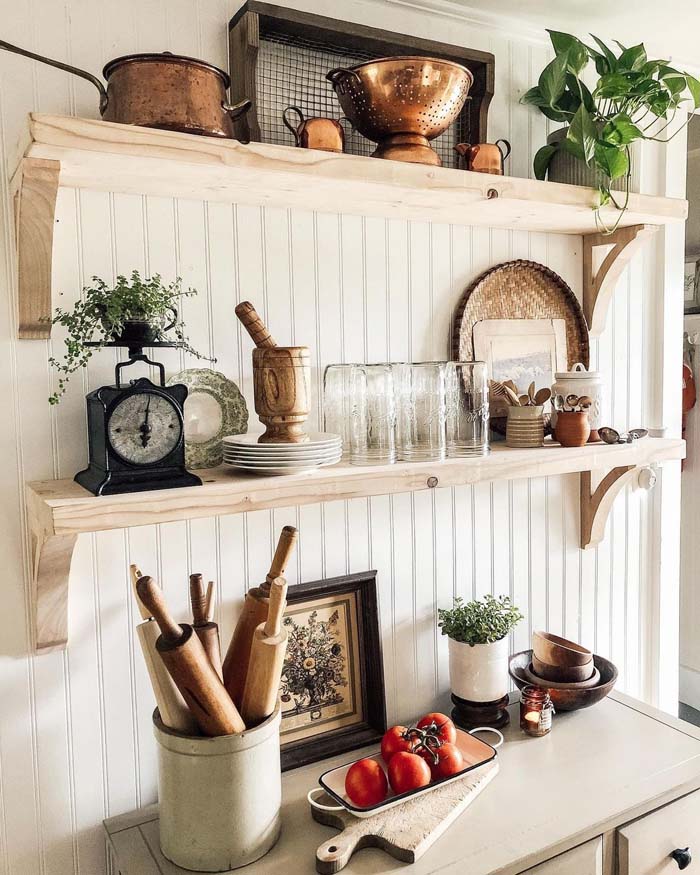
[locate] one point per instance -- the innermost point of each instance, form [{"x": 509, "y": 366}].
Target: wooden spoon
[
  {"x": 531, "y": 392},
  {"x": 511, "y": 396},
  {"x": 524, "y": 400},
  {"x": 543, "y": 396}
]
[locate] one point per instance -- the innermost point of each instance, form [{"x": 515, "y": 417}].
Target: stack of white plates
[{"x": 243, "y": 451}]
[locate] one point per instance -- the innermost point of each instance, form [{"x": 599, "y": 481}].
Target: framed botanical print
[
  {"x": 691, "y": 286},
  {"x": 332, "y": 688}
]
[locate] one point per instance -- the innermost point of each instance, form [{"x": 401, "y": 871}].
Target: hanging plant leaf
[
  {"x": 552, "y": 80},
  {"x": 608, "y": 54},
  {"x": 582, "y": 135},
  {"x": 620, "y": 131},
  {"x": 534, "y": 97},
  {"x": 542, "y": 160},
  {"x": 633, "y": 58},
  {"x": 613, "y": 162},
  {"x": 694, "y": 88}
]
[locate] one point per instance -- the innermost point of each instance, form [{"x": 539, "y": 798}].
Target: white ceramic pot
[
  {"x": 479, "y": 672},
  {"x": 579, "y": 381}
]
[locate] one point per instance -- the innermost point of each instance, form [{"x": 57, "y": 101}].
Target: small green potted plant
[
  {"x": 136, "y": 311},
  {"x": 478, "y": 646},
  {"x": 633, "y": 99}
]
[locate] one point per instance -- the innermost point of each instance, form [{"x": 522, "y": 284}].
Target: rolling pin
[
  {"x": 207, "y": 631},
  {"x": 189, "y": 667},
  {"x": 253, "y": 614},
  {"x": 254, "y": 325},
  {"x": 172, "y": 707},
  {"x": 266, "y": 659}
]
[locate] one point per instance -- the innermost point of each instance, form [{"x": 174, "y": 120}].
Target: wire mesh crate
[{"x": 280, "y": 57}]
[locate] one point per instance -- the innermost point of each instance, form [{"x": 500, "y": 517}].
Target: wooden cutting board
[{"x": 407, "y": 831}]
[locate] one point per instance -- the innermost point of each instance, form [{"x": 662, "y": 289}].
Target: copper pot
[
  {"x": 402, "y": 103},
  {"x": 160, "y": 90},
  {"x": 325, "y": 134},
  {"x": 484, "y": 157}
]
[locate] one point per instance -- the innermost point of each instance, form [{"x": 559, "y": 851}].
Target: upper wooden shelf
[{"x": 60, "y": 510}]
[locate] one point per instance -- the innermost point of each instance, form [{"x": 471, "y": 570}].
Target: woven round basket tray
[{"x": 519, "y": 290}]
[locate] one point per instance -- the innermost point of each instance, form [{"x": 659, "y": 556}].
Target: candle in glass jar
[{"x": 535, "y": 711}]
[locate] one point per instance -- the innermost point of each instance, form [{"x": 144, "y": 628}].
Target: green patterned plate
[{"x": 214, "y": 408}]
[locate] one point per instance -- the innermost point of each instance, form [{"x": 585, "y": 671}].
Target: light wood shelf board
[{"x": 60, "y": 510}]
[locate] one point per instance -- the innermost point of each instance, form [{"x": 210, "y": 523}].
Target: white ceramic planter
[
  {"x": 479, "y": 672},
  {"x": 219, "y": 797}
]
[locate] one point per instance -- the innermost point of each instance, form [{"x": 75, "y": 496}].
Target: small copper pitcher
[
  {"x": 483, "y": 157},
  {"x": 325, "y": 134}
]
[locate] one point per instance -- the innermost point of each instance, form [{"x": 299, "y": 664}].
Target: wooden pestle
[
  {"x": 172, "y": 707},
  {"x": 255, "y": 608},
  {"x": 188, "y": 664},
  {"x": 254, "y": 325},
  {"x": 266, "y": 659},
  {"x": 207, "y": 631}
]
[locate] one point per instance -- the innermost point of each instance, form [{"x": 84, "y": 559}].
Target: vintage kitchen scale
[{"x": 136, "y": 432}]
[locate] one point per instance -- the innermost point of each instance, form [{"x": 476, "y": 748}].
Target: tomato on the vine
[
  {"x": 365, "y": 783},
  {"x": 395, "y": 740},
  {"x": 444, "y": 761},
  {"x": 408, "y": 771},
  {"x": 439, "y": 725}
]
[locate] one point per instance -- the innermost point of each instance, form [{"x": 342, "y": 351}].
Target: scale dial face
[{"x": 144, "y": 428}]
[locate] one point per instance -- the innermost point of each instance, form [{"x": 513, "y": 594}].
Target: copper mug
[
  {"x": 325, "y": 134},
  {"x": 484, "y": 157}
]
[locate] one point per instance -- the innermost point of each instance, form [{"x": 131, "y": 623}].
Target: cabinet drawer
[
  {"x": 645, "y": 846},
  {"x": 584, "y": 860}
]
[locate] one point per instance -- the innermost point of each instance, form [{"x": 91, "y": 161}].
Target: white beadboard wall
[{"x": 75, "y": 737}]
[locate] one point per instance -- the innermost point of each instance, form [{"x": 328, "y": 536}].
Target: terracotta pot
[{"x": 573, "y": 429}]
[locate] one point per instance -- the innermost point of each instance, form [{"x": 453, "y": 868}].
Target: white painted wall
[{"x": 75, "y": 739}]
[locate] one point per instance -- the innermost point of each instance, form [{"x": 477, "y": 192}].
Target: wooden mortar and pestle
[{"x": 281, "y": 382}]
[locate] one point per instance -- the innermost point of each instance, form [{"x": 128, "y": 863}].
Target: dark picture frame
[{"x": 361, "y": 589}]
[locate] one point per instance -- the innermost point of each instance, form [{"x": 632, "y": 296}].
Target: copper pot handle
[
  {"x": 507, "y": 148},
  {"x": 334, "y": 75},
  {"x": 237, "y": 109},
  {"x": 289, "y": 125},
  {"x": 61, "y": 66}
]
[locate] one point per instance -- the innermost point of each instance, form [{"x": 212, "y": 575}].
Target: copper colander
[{"x": 402, "y": 103}]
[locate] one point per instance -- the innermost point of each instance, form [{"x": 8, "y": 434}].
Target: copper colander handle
[{"x": 336, "y": 74}]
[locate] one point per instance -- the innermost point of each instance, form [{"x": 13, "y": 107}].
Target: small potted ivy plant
[
  {"x": 136, "y": 311},
  {"x": 633, "y": 99},
  {"x": 478, "y": 646}
]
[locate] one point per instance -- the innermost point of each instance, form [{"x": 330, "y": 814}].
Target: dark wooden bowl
[
  {"x": 571, "y": 699},
  {"x": 562, "y": 674}
]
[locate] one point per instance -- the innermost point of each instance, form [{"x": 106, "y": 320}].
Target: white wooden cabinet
[{"x": 613, "y": 790}]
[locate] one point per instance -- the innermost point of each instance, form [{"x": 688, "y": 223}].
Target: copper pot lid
[
  {"x": 419, "y": 58},
  {"x": 147, "y": 57}
]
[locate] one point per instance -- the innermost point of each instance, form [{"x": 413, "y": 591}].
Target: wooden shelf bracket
[
  {"x": 597, "y": 504},
  {"x": 599, "y": 281},
  {"x": 51, "y": 561}
]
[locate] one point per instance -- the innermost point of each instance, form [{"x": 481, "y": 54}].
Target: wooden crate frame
[{"x": 257, "y": 21}]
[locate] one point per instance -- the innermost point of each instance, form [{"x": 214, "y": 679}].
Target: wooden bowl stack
[{"x": 574, "y": 676}]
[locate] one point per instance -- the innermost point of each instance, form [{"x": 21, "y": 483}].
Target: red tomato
[
  {"x": 449, "y": 760},
  {"x": 365, "y": 783},
  {"x": 393, "y": 742},
  {"x": 444, "y": 728},
  {"x": 407, "y": 771}
]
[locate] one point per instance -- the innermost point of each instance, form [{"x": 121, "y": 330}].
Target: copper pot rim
[
  {"x": 154, "y": 57},
  {"x": 421, "y": 58}
]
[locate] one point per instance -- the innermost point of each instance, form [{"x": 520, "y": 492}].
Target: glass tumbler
[
  {"x": 337, "y": 389},
  {"x": 372, "y": 415},
  {"x": 421, "y": 411},
  {"x": 467, "y": 391}
]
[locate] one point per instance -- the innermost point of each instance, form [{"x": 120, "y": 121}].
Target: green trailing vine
[
  {"x": 481, "y": 621},
  {"x": 102, "y": 312},
  {"x": 634, "y": 98}
]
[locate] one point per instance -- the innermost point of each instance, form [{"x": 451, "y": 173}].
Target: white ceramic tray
[{"x": 475, "y": 752}]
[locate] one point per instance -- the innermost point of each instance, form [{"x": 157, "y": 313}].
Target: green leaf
[
  {"x": 575, "y": 51},
  {"x": 581, "y": 136},
  {"x": 552, "y": 80},
  {"x": 612, "y": 85},
  {"x": 675, "y": 84},
  {"x": 612, "y": 161},
  {"x": 633, "y": 58},
  {"x": 694, "y": 88},
  {"x": 533, "y": 97},
  {"x": 542, "y": 159},
  {"x": 561, "y": 42},
  {"x": 607, "y": 54},
  {"x": 620, "y": 131},
  {"x": 579, "y": 89},
  {"x": 660, "y": 104},
  {"x": 556, "y": 115}
]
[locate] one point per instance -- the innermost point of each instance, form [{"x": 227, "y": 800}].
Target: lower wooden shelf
[{"x": 60, "y": 510}]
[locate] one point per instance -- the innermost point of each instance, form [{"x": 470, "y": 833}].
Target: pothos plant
[
  {"x": 102, "y": 312},
  {"x": 481, "y": 621},
  {"x": 634, "y": 98}
]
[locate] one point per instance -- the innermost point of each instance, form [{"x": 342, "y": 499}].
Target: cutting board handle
[{"x": 334, "y": 855}]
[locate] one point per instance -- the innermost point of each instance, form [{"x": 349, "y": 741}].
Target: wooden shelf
[
  {"x": 97, "y": 155},
  {"x": 60, "y": 510}
]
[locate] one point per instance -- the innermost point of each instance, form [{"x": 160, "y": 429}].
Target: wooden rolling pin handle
[
  {"x": 152, "y": 597},
  {"x": 136, "y": 575},
  {"x": 285, "y": 548},
  {"x": 254, "y": 325},
  {"x": 198, "y": 600},
  {"x": 275, "y": 611}
]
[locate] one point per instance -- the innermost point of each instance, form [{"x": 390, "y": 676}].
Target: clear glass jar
[
  {"x": 536, "y": 711},
  {"x": 421, "y": 411},
  {"x": 337, "y": 387},
  {"x": 467, "y": 401},
  {"x": 372, "y": 411}
]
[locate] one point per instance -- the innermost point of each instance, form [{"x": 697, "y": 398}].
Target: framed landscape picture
[{"x": 332, "y": 688}]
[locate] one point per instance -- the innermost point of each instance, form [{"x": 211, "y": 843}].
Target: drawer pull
[{"x": 682, "y": 857}]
